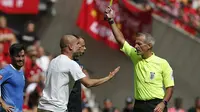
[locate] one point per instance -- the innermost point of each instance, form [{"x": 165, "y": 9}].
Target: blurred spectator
[
  {"x": 180, "y": 12},
  {"x": 128, "y": 105},
  {"x": 42, "y": 60},
  {"x": 29, "y": 36},
  {"x": 196, "y": 18},
  {"x": 28, "y": 61},
  {"x": 197, "y": 106},
  {"x": 7, "y": 37},
  {"x": 49, "y": 6},
  {"x": 86, "y": 109},
  {"x": 108, "y": 106},
  {"x": 33, "y": 71},
  {"x": 34, "y": 80},
  {"x": 172, "y": 7},
  {"x": 196, "y": 4},
  {"x": 2, "y": 57},
  {"x": 140, "y": 1},
  {"x": 177, "y": 106}
]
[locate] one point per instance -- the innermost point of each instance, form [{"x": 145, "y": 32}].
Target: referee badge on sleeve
[
  {"x": 172, "y": 77},
  {"x": 152, "y": 75}
]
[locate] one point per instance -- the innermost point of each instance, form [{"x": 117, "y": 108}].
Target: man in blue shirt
[{"x": 13, "y": 81}]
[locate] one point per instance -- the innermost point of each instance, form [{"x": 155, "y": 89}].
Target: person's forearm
[
  {"x": 33, "y": 80},
  {"x": 97, "y": 82},
  {"x": 1, "y": 39},
  {"x": 13, "y": 39},
  {"x": 117, "y": 34},
  {"x": 168, "y": 94},
  {"x": 86, "y": 81},
  {"x": 1, "y": 101},
  {"x": 10, "y": 37}
]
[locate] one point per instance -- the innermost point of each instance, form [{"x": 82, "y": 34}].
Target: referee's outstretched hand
[{"x": 111, "y": 74}]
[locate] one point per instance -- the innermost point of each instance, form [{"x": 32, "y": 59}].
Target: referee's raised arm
[{"x": 109, "y": 16}]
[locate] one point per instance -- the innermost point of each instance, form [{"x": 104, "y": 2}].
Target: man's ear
[
  {"x": 69, "y": 46},
  {"x": 150, "y": 46}
]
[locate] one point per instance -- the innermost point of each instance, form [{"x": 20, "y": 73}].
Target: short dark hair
[
  {"x": 76, "y": 36},
  {"x": 16, "y": 48},
  {"x": 107, "y": 100},
  {"x": 129, "y": 100},
  {"x": 29, "y": 22},
  {"x": 178, "y": 102},
  {"x": 197, "y": 98}
]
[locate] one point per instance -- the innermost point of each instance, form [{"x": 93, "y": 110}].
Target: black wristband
[
  {"x": 165, "y": 102},
  {"x": 111, "y": 21}
]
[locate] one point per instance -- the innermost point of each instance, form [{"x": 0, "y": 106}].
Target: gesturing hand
[
  {"x": 111, "y": 74},
  {"x": 109, "y": 13},
  {"x": 7, "y": 108}
]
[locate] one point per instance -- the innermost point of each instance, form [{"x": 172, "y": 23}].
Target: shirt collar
[
  {"x": 150, "y": 58},
  {"x": 14, "y": 67},
  {"x": 65, "y": 56}
]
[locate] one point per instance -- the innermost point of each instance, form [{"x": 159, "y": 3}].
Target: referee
[{"x": 151, "y": 73}]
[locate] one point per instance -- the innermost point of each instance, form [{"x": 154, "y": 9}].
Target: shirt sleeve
[
  {"x": 130, "y": 51},
  {"x": 76, "y": 71},
  {"x": 168, "y": 75},
  {"x": 5, "y": 75}
]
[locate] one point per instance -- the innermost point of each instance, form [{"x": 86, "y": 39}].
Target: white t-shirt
[{"x": 61, "y": 73}]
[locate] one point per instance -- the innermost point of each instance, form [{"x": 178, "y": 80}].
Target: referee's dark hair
[{"x": 16, "y": 48}]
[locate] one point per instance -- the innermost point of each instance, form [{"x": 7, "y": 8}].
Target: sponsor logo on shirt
[{"x": 152, "y": 75}]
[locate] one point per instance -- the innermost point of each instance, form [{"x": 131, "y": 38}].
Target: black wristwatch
[
  {"x": 165, "y": 102},
  {"x": 111, "y": 21}
]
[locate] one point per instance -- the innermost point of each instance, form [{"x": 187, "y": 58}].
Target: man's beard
[{"x": 77, "y": 55}]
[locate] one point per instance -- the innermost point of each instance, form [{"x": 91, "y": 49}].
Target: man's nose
[
  {"x": 136, "y": 45},
  {"x": 21, "y": 58}
]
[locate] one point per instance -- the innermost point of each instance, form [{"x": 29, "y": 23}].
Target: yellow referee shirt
[{"x": 150, "y": 75}]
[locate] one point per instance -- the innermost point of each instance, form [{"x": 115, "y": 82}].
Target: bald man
[{"x": 61, "y": 75}]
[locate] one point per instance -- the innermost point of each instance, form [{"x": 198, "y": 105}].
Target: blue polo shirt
[{"x": 12, "y": 85}]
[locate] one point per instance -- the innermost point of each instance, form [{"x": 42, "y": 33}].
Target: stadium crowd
[{"x": 185, "y": 14}]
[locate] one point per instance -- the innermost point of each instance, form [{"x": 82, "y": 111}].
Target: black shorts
[{"x": 147, "y": 106}]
